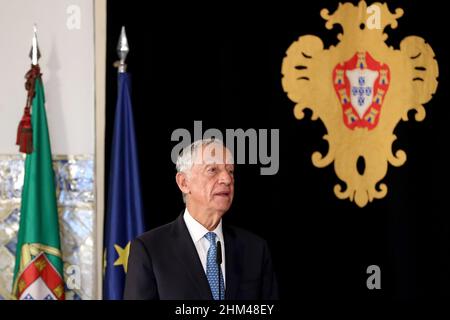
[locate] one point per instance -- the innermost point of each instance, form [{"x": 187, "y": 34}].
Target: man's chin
[{"x": 223, "y": 205}]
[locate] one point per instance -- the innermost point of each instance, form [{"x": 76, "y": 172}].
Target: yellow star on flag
[{"x": 123, "y": 256}]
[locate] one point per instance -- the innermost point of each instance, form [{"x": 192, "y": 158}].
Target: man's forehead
[{"x": 214, "y": 153}]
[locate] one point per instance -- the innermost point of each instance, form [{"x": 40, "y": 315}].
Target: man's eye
[{"x": 212, "y": 169}]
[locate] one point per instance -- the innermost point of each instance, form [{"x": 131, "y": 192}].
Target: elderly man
[{"x": 195, "y": 257}]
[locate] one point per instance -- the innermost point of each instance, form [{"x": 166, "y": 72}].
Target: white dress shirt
[{"x": 197, "y": 232}]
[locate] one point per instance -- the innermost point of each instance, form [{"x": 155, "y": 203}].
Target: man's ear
[{"x": 181, "y": 179}]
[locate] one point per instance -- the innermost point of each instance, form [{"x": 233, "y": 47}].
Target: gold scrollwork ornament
[{"x": 360, "y": 89}]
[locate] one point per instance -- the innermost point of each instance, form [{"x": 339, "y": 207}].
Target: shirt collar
[{"x": 197, "y": 230}]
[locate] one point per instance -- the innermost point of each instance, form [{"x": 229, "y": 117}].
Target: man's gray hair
[{"x": 188, "y": 155}]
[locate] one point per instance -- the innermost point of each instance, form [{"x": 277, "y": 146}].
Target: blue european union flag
[{"x": 124, "y": 215}]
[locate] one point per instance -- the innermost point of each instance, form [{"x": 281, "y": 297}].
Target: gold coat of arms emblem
[{"x": 360, "y": 89}]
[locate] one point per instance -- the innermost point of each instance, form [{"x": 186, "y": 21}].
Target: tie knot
[{"x": 211, "y": 237}]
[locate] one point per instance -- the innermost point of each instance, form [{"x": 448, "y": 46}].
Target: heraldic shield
[
  {"x": 360, "y": 89},
  {"x": 366, "y": 82}
]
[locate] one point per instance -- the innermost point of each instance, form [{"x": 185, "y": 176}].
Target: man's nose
[{"x": 225, "y": 177}]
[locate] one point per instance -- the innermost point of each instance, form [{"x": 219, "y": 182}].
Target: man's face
[{"x": 211, "y": 180}]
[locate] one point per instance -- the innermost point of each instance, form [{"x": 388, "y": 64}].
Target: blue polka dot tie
[{"x": 212, "y": 269}]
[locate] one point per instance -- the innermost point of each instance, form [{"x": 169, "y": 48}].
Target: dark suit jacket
[{"x": 164, "y": 264}]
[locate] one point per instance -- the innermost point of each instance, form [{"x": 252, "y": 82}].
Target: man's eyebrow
[{"x": 207, "y": 165}]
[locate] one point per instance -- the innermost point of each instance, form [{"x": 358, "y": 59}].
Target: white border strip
[{"x": 100, "y": 74}]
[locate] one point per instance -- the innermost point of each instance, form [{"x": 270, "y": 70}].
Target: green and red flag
[{"x": 38, "y": 273}]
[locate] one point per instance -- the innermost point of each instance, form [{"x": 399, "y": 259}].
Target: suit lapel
[
  {"x": 188, "y": 255},
  {"x": 232, "y": 266}
]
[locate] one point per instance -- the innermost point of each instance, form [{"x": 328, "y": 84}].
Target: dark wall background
[{"x": 222, "y": 64}]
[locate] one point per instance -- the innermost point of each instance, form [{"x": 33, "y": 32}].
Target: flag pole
[
  {"x": 25, "y": 131},
  {"x": 35, "y": 54},
  {"x": 122, "y": 51}
]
